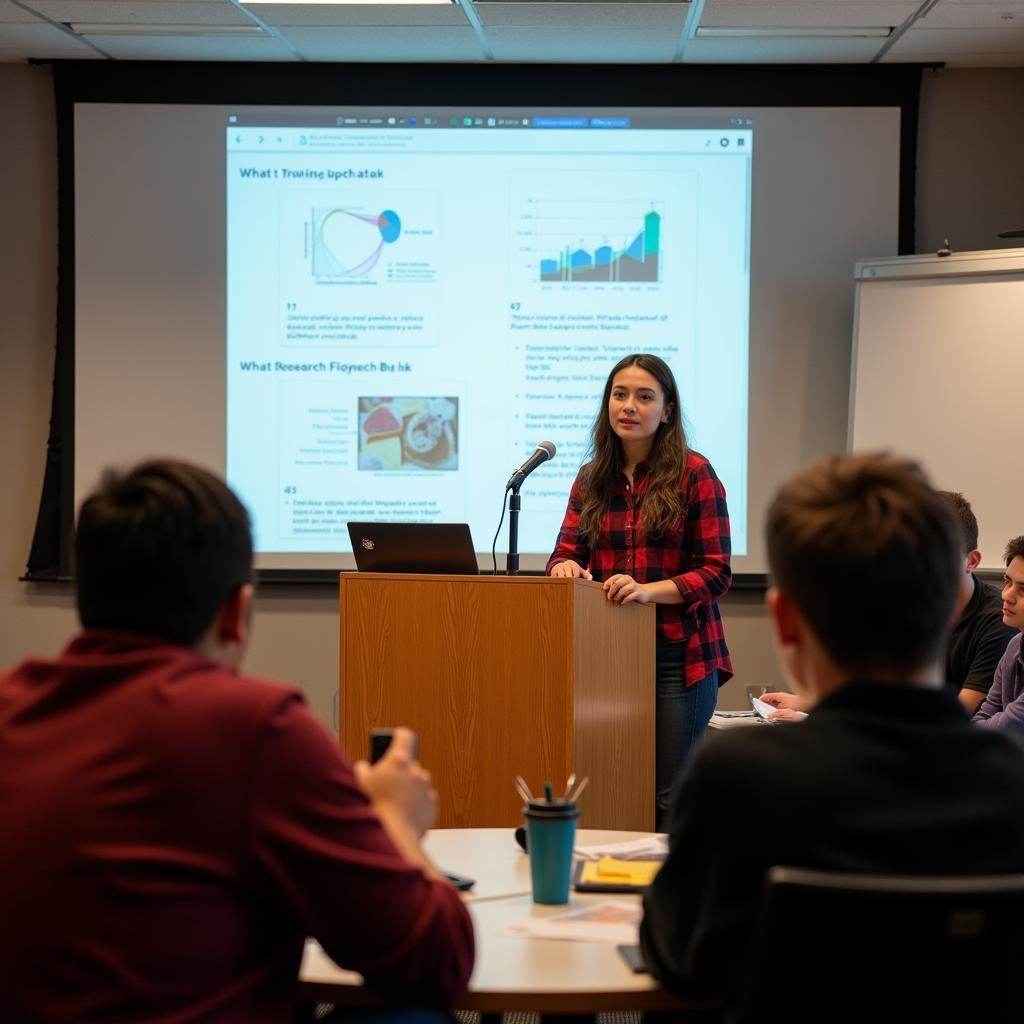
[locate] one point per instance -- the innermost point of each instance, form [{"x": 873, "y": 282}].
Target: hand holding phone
[
  {"x": 399, "y": 786},
  {"x": 380, "y": 740}
]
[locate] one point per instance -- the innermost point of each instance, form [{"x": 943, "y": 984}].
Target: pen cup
[{"x": 550, "y": 838}]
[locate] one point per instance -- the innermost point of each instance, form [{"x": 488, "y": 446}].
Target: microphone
[{"x": 545, "y": 450}]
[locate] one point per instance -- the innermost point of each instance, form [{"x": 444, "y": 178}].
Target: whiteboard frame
[{"x": 983, "y": 263}]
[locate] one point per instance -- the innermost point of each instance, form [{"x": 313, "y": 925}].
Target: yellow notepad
[{"x": 610, "y": 871}]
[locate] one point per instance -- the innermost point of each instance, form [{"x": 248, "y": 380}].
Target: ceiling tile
[
  {"x": 13, "y": 13},
  {"x": 164, "y": 12},
  {"x": 42, "y": 40},
  {"x": 667, "y": 17},
  {"x": 782, "y": 14},
  {"x": 320, "y": 15},
  {"x": 583, "y": 44},
  {"x": 778, "y": 50},
  {"x": 256, "y": 48},
  {"x": 386, "y": 43}
]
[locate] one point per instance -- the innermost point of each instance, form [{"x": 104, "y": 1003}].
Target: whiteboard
[{"x": 938, "y": 375}]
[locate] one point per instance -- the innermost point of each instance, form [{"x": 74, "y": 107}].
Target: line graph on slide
[{"x": 347, "y": 242}]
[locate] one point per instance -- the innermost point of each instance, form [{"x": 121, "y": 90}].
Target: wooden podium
[{"x": 503, "y": 676}]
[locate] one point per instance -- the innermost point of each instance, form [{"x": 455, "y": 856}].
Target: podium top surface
[{"x": 556, "y": 581}]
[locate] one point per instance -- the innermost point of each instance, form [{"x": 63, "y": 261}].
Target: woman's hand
[
  {"x": 571, "y": 569},
  {"x": 622, "y": 589}
]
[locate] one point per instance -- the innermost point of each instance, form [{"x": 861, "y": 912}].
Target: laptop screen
[{"x": 442, "y": 548}]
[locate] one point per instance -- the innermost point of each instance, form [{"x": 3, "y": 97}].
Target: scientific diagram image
[
  {"x": 347, "y": 242},
  {"x": 408, "y": 433},
  {"x": 359, "y": 269}
]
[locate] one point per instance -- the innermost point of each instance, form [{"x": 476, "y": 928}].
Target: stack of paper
[{"x": 653, "y": 847}]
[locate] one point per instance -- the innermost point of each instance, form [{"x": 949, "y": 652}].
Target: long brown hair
[{"x": 662, "y": 504}]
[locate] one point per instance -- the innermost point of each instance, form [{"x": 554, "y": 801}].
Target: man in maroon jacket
[{"x": 171, "y": 830}]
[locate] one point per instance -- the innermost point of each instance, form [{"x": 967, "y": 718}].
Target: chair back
[{"x": 834, "y": 947}]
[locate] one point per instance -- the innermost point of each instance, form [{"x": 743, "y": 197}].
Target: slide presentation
[
  {"x": 416, "y": 299},
  {"x": 377, "y": 313}
]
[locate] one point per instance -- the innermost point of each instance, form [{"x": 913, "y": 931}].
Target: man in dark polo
[
  {"x": 886, "y": 775},
  {"x": 979, "y": 635}
]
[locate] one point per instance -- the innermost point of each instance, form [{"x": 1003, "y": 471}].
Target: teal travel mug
[{"x": 550, "y": 837}]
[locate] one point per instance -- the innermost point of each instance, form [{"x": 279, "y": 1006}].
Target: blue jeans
[{"x": 681, "y": 718}]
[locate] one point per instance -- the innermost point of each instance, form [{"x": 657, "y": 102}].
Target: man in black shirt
[
  {"x": 977, "y": 640},
  {"x": 979, "y": 637},
  {"x": 886, "y": 776}
]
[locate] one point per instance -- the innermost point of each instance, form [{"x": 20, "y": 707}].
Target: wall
[
  {"x": 971, "y": 144},
  {"x": 969, "y": 158},
  {"x": 295, "y": 635}
]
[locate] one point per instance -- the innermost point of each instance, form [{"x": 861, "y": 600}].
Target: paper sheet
[
  {"x": 610, "y": 921},
  {"x": 653, "y": 847}
]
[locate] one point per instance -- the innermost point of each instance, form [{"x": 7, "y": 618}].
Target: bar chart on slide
[{"x": 589, "y": 241}]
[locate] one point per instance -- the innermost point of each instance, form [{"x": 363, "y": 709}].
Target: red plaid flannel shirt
[{"x": 694, "y": 554}]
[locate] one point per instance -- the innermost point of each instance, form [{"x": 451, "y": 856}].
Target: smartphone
[
  {"x": 380, "y": 740},
  {"x": 461, "y": 882},
  {"x": 634, "y": 958}
]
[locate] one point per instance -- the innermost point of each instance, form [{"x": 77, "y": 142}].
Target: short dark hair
[
  {"x": 870, "y": 555},
  {"x": 1014, "y": 549},
  {"x": 159, "y": 549},
  {"x": 965, "y": 516}
]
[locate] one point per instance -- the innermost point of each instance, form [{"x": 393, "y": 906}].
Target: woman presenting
[{"x": 647, "y": 517}]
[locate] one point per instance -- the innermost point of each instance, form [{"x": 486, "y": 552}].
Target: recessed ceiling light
[
  {"x": 96, "y": 28},
  {"x": 775, "y": 32}
]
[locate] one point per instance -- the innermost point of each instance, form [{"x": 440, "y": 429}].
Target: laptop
[{"x": 443, "y": 548}]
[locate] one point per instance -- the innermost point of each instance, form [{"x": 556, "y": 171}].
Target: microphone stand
[{"x": 514, "y": 504}]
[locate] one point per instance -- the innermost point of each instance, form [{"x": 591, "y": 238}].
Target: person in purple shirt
[{"x": 1003, "y": 708}]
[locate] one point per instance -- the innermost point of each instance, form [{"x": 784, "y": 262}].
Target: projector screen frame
[{"x": 568, "y": 86}]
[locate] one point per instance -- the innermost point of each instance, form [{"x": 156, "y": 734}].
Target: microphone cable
[{"x": 494, "y": 543}]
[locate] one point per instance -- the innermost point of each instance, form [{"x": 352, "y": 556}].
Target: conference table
[{"x": 514, "y": 972}]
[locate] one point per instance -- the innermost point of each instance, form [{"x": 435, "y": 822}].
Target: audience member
[
  {"x": 885, "y": 774},
  {"x": 1003, "y": 708},
  {"x": 979, "y": 635},
  {"x": 173, "y": 830}
]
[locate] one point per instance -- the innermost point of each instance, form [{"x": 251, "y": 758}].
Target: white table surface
[{"x": 514, "y": 972}]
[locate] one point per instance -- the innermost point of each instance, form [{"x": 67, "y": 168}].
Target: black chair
[{"x": 833, "y": 947}]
